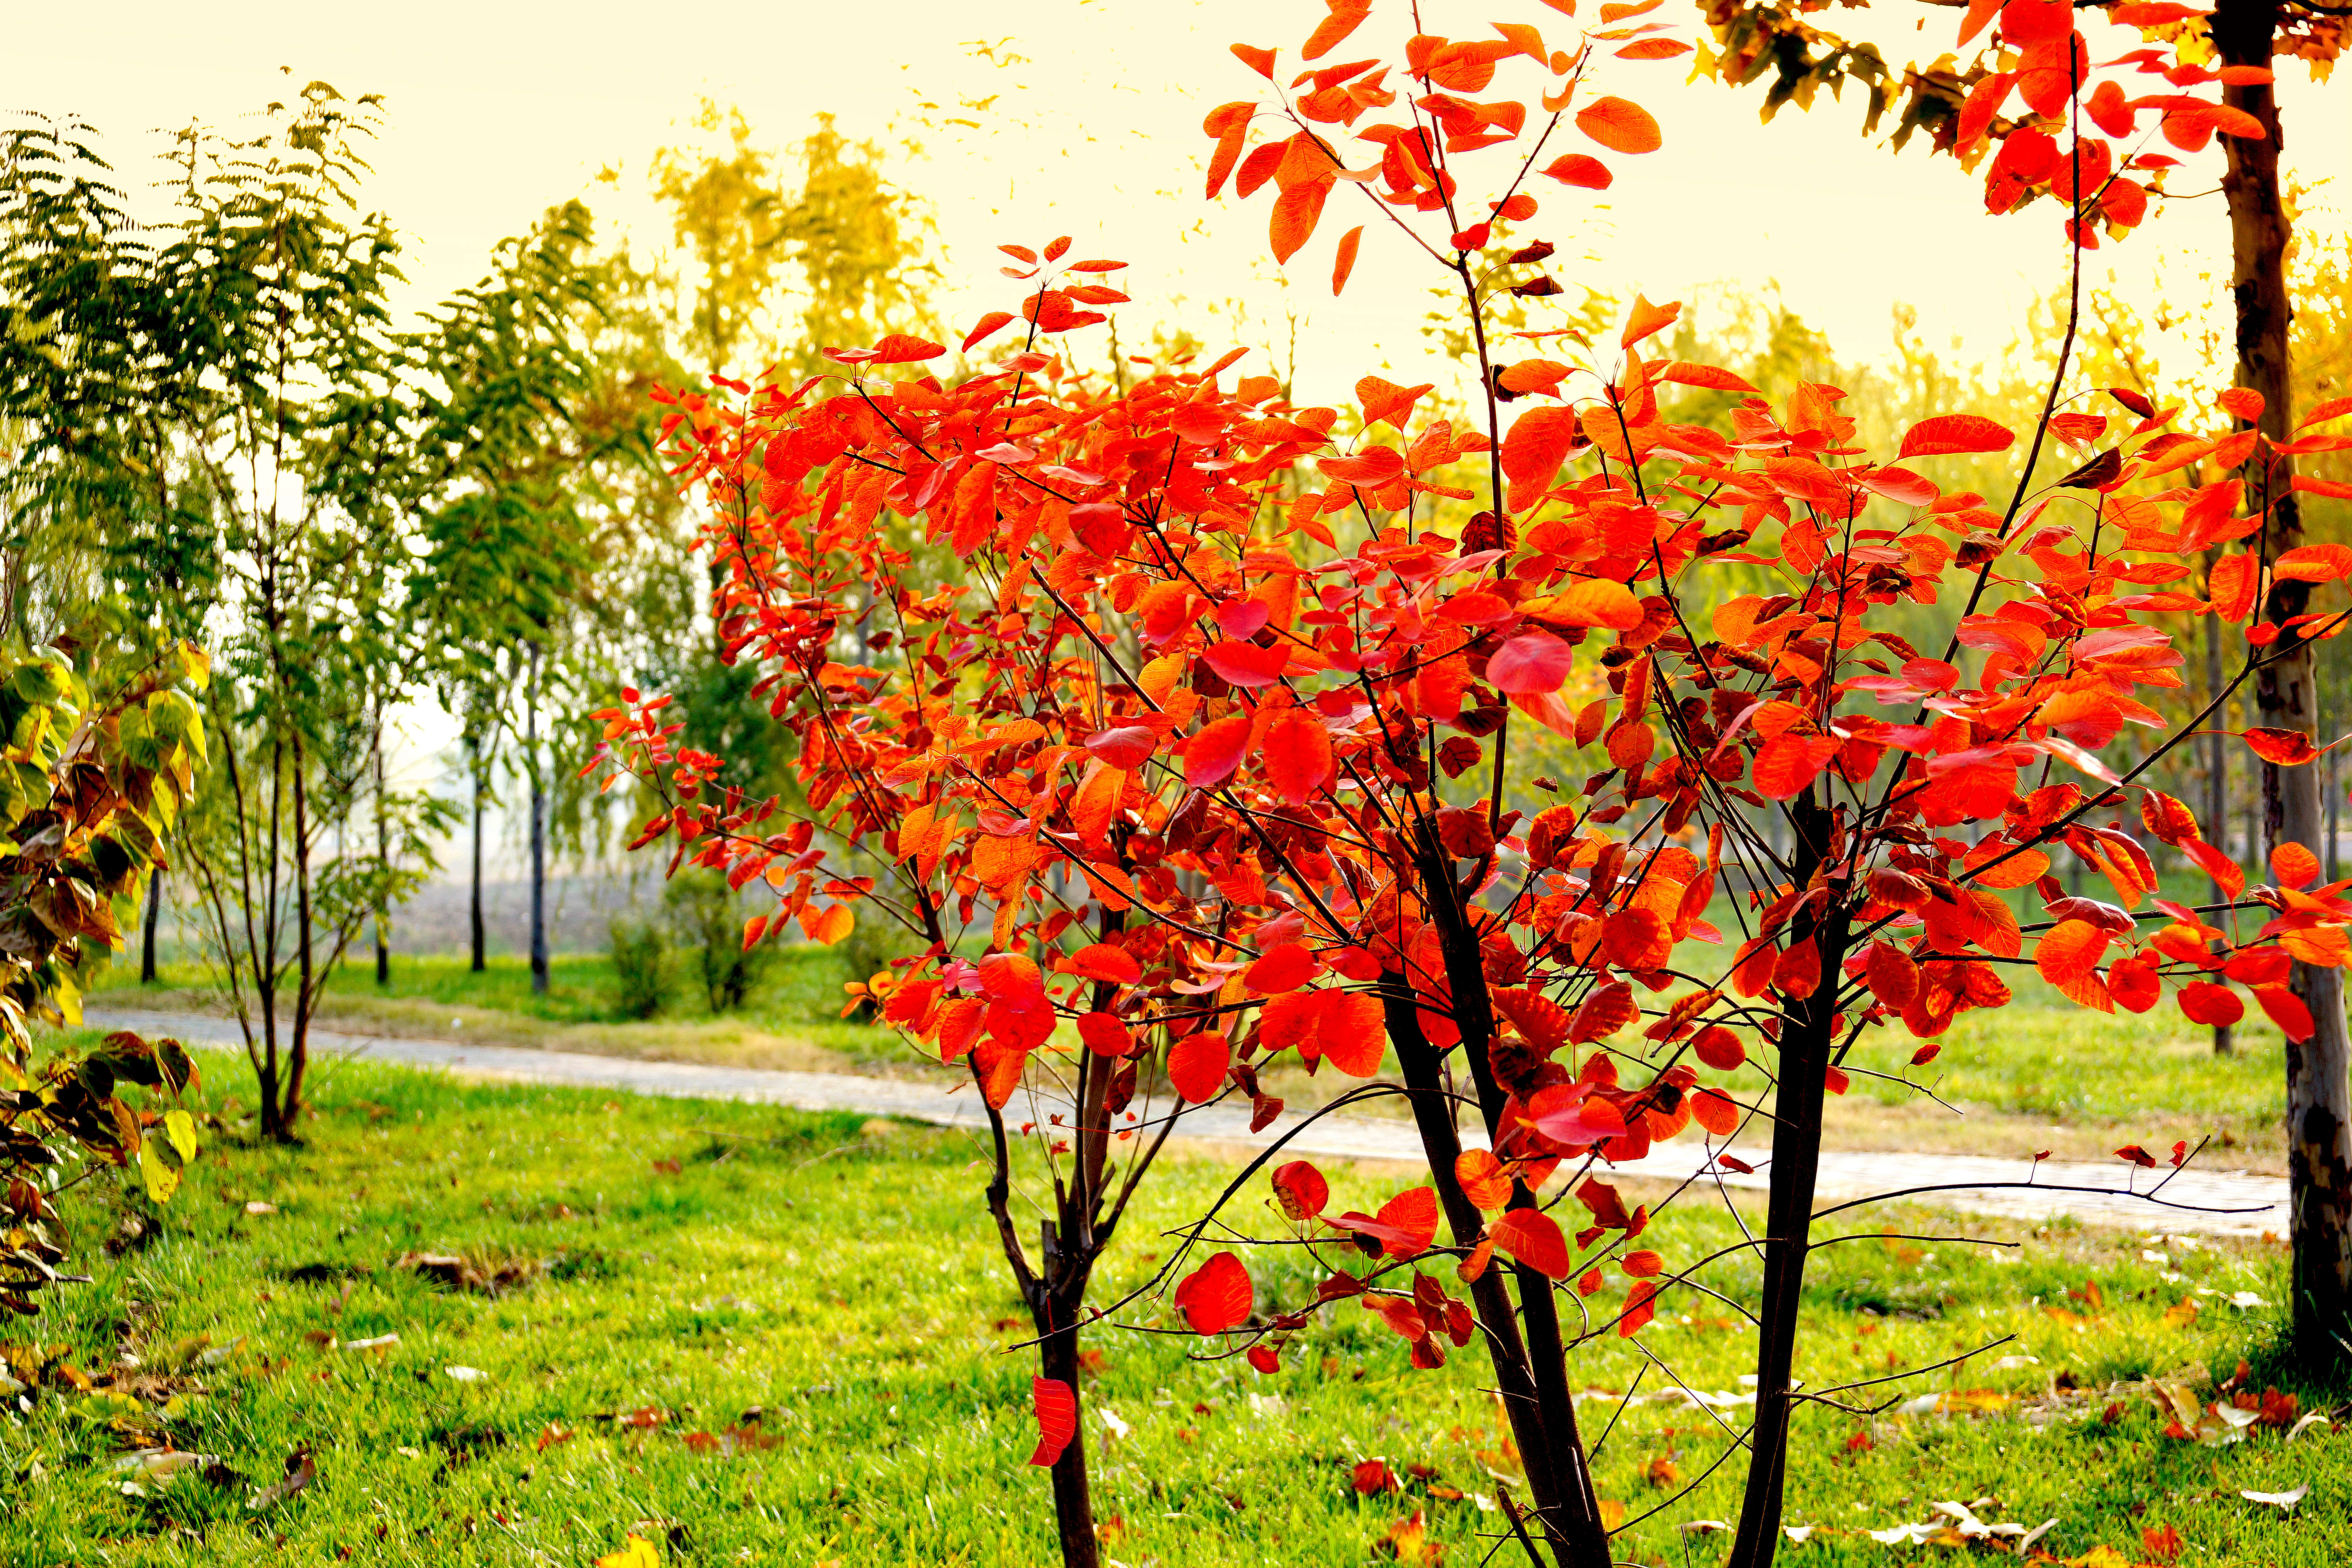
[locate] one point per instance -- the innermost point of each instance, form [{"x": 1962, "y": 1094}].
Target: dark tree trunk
[
  {"x": 382, "y": 866},
  {"x": 1057, "y": 1353},
  {"x": 538, "y": 833},
  {"x": 474, "y": 906},
  {"x": 1807, "y": 1040},
  {"x": 147, "y": 927},
  {"x": 2217, "y": 772},
  {"x": 2319, "y": 1070}
]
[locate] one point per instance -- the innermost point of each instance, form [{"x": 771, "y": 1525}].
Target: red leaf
[
  {"x": 1104, "y": 1035},
  {"x": 1639, "y": 1308},
  {"x": 1531, "y": 1237},
  {"x": 1538, "y": 443},
  {"x": 1197, "y": 1064},
  {"x": 1579, "y": 169},
  {"x": 1719, "y": 1048},
  {"x": 1257, "y": 59},
  {"x": 2206, "y": 1002},
  {"x": 1787, "y": 764},
  {"x": 1056, "y": 1403},
  {"x": 1620, "y": 126},
  {"x": 1246, "y": 664},
  {"x": 1216, "y": 1296},
  {"x": 1530, "y": 664},
  {"x": 1128, "y": 747},
  {"x": 1947, "y": 433},
  {"x": 1403, "y": 1226},
  {"x": 1643, "y": 1265},
  {"x": 1353, "y": 1033},
  {"x": 1301, "y": 1190},
  {"x": 2137, "y": 1156},
  {"x": 1283, "y": 968},
  {"x": 1216, "y": 751},
  {"x": 1297, "y": 754},
  {"x": 2287, "y": 1010}
]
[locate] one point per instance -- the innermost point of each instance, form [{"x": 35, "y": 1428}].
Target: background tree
[{"x": 2034, "y": 52}]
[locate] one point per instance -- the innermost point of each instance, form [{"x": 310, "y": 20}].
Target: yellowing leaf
[
  {"x": 181, "y": 1128},
  {"x": 163, "y": 1179},
  {"x": 639, "y": 1552}
]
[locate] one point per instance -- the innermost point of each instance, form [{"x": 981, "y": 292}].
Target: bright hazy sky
[{"x": 498, "y": 108}]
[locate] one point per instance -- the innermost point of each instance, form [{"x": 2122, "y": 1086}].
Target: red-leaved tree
[{"x": 1191, "y": 730}]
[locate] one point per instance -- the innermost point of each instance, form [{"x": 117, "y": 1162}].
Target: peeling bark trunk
[{"x": 2319, "y": 1070}]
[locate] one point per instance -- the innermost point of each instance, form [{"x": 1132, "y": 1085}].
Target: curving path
[{"x": 1977, "y": 1184}]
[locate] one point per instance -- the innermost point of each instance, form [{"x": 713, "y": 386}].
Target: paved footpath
[{"x": 2210, "y": 1203}]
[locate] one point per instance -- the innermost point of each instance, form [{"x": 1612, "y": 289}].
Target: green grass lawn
[{"x": 822, "y": 1285}]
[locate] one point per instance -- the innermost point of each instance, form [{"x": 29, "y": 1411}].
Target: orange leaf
[
  {"x": 1643, "y": 1265},
  {"x": 1216, "y": 1296},
  {"x": 2283, "y": 748},
  {"x": 1715, "y": 1111},
  {"x": 2069, "y": 953},
  {"x": 1645, "y": 320},
  {"x": 2231, "y": 585},
  {"x": 1639, "y": 1308},
  {"x": 984, "y": 326},
  {"x": 1257, "y": 59},
  {"x": 1345, "y": 261},
  {"x": 1588, "y": 602},
  {"x": 1346, "y": 17},
  {"x": 1105, "y": 1035},
  {"x": 1538, "y": 443},
  {"x": 1620, "y": 126},
  {"x": 1296, "y": 213},
  {"x": 1385, "y": 403},
  {"x": 830, "y": 926},
  {"x": 2294, "y": 866},
  {"x": 1482, "y": 1179},
  {"x": 1580, "y": 169},
  {"x": 1533, "y": 1238}
]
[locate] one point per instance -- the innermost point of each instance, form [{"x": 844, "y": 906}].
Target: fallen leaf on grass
[
  {"x": 2308, "y": 1422},
  {"x": 2283, "y": 1501},
  {"x": 552, "y": 1434},
  {"x": 300, "y": 1473},
  {"x": 1370, "y": 1477},
  {"x": 1407, "y": 1541}
]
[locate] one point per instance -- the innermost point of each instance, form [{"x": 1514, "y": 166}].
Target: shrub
[{"x": 638, "y": 952}]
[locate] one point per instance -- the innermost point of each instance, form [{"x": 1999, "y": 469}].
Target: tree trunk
[
  {"x": 147, "y": 927},
  {"x": 1056, "y": 1317},
  {"x": 473, "y": 907},
  {"x": 382, "y": 866},
  {"x": 538, "y": 833},
  {"x": 2216, "y": 771},
  {"x": 1807, "y": 1036},
  {"x": 2319, "y": 1070},
  {"x": 306, "y": 996}
]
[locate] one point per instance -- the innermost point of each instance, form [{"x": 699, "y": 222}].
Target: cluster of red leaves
[
  {"x": 2033, "y": 105},
  {"x": 1164, "y": 760}
]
